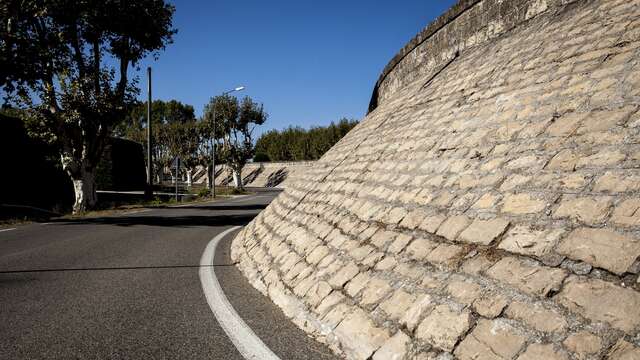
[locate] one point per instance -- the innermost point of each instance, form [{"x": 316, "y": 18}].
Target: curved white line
[{"x": 245, "y": 340}]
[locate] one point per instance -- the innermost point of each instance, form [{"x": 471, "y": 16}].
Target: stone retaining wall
[
  {"x": 491, "y": 211},
  {"x": 467, "y": 24},
  {"x": 267, "y": 174}
]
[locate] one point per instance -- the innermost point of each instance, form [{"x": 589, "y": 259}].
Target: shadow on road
[
  {"x": 174, "y": 221},
  {"x": 217, "y": 207},
  {"x": 159, "y": 267}
]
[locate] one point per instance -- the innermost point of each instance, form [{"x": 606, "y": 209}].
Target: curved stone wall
[{"x": 489, "y": 210}]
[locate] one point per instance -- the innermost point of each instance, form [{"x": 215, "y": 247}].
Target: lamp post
[
  {"x": 213, "y": 148},
  {"x": 149, "y": 188}
]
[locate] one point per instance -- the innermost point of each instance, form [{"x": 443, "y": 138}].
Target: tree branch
[
  {"x": 96, "y": 65},
  {"x": 124, "y": 64},
  {"x": 50, "y": 91},
  {"x": 77, "y": 51}
]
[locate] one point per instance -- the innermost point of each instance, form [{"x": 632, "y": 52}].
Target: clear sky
[{"x": 309, "y": 62}]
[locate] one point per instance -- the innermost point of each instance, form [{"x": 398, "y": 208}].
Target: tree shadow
[
  {"x": 164, "y": 221},
  {"x": 252, "y": 175},
  {"x": 277, "y": 177}
]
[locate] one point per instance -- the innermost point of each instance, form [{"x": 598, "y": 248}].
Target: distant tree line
[{"x": 298, "y": 144}]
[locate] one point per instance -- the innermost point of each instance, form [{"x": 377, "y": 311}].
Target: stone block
[
  {"x": 617, "y": 182},
  {"x": 490, "y": 305},
  {"x": 355, "y": 285},
  {"x": 443, "y": 327},
  {"x": 423, "y": 305},
  {"x": 361, "y": 252},
  {"x": 431, "y": 223},
  {"x": 606, "y": 158},
  {"x": 601, "y": 248},
  {"x": 565, "y": 125},
  {"x": 453, "y": 226},
  {"x": 399, "y": 243},
  {"x": 343, "y": 275},
  {"x": 413, "y": 219},
  {"x": 564, "y": 160},
  {"x": 486, "y": 201},
  {"x": 583, "y": 344},
  {"x": 317, "y": 254},
  {"x": 445, "y": 255},
  {"x": 398, "y": 304},
  {"x": 359, "y": 336},
  {"x": 624, "y": 350},
  {"x": 542, "y": 351},
  {"x": 520, "y": 204},
  {"x": 464, "y": 292},
  {"x": 536, "y": 316},
  {"x": 491, "y": 340},
  {"x": 329, "y": 302},
  {"x": 522, "y": 239},
  {"x": 382, "y": 238},
  {"x": 420, "y": 248},
  {"x": 375, "y": 291},
  {"x": 317, "y": 293},
  {"x": 599, "y": 300},
  {"x": 483, "y": 232},
  {"x": 588, "y": 210},
  {"x": 394, "y": 349},
  {"x": 627, "y": 213},
  {"x": 394, "y": 216},
  {"x": 529, "y": 277}
]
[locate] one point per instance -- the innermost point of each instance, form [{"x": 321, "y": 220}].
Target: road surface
[{"x": 129, "y": 286}]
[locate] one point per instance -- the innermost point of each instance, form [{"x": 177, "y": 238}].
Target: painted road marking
[
  {"x": 137, "y": 211},
  {"x": 245, "y": 340},
  {"x": 3, "y": 230}
]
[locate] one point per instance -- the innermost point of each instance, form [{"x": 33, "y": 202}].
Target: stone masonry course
[{"x": 488, "y": 206}]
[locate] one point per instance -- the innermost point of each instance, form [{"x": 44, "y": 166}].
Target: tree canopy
[
  {"x": 297, "y": 144},
  {"x": 234, "y": 122},
  {"x": 67, "y": 61}
]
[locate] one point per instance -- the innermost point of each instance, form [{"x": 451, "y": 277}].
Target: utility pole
[
  {"x": 213, "y": 154},
  {"x": 149, "y": 190}
]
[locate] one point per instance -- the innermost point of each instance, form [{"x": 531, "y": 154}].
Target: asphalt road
[{"x": 127, "y": 287}]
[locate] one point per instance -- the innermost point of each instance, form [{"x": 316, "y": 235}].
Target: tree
[
  {"x": 234, "y": 124},
  {"x": 296, "y": 143},
  {"x": 67, "y": 61},
  {"x": 174, "y": 132}
]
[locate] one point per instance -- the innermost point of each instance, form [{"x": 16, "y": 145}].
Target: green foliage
[
  {"x": 234, "y": 124},
  {"x": 175, "y": 132},
  {"x": 298, "y": 144},
  {"x": 261, "y": 157},
  {"x": 204, "y": 192}
]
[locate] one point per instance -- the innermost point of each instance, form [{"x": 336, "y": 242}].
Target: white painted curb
[{"x": 245, "y": 340}]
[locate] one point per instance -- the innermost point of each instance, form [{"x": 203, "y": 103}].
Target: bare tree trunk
[
  {"x": 189, "y": 179},
  {"x": 209, "y": 176},
  {"x": 237, "y": 178},
  {"x": 84, "y": 186}
]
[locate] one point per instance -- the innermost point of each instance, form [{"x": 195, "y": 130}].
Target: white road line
[
  {"x": 3, "y": 230},
  {"x": 137, "y": 211},
  {"x": 245, "y": 340}
]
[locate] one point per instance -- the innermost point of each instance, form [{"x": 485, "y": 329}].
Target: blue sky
[{"x": 309, "y": 62}]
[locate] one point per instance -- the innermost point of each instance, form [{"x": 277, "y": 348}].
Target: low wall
[{"x": 267, "y": 174}]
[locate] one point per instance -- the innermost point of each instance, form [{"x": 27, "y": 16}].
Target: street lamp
[{"x": 213, "y": 148}]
